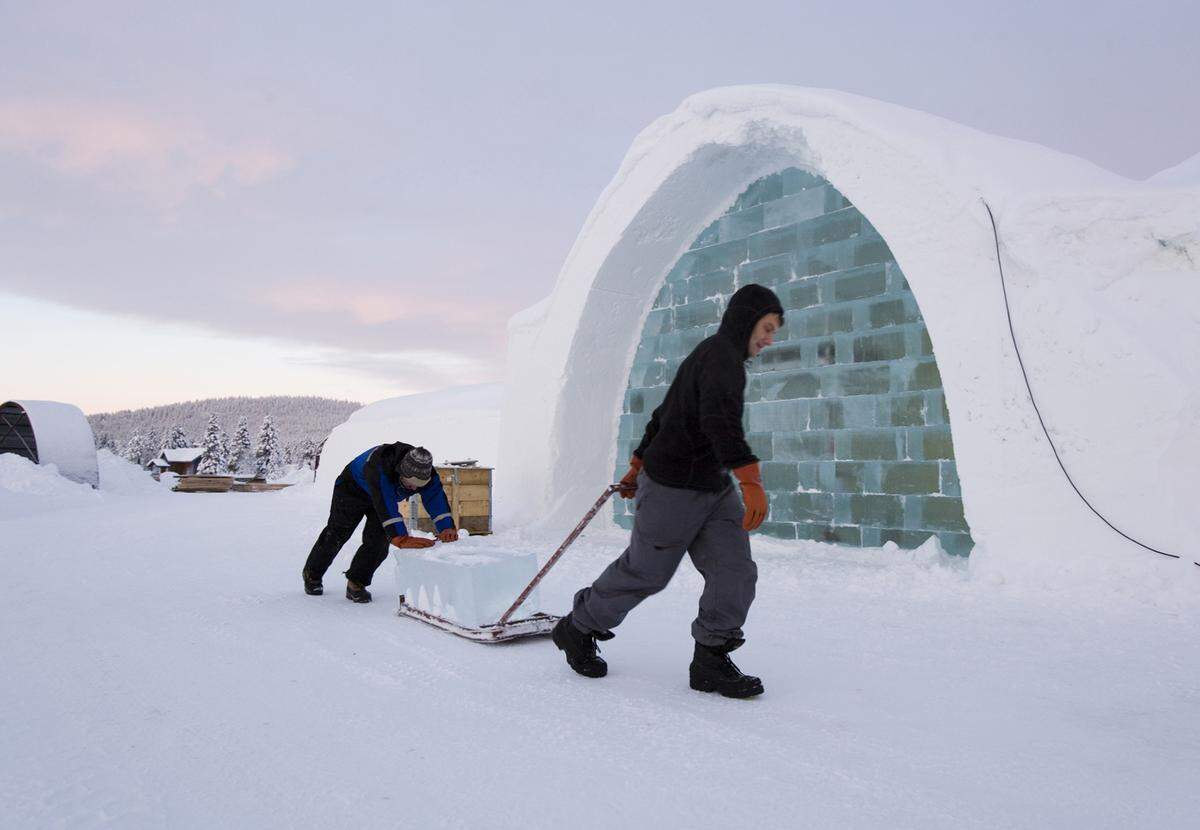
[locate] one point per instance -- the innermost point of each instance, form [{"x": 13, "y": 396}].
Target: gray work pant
[{"x": 667, "y": 522}]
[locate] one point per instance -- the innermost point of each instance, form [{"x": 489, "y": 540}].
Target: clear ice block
[{"x": 468, "y": 582}]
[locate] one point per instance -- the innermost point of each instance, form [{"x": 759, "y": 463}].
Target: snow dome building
[
  {"x": 48, "y": 432},
  {"x": 894, "y": 407}
]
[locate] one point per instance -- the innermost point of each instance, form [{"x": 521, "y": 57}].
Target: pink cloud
[
  {"x": 374, "y": 304},
  {"x": 126, "y": 149}
]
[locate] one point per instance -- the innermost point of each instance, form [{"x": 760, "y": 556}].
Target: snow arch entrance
[
  {"x": 846, "y": 411},
  {"x": 1078, "y": 243},
  {"x": 16, "y": 433}
]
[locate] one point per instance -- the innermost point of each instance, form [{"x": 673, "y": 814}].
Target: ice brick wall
[{"x": 846, "y": 410}]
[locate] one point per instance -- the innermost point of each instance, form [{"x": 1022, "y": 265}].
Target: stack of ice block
[{"x": 468, "y": 582}]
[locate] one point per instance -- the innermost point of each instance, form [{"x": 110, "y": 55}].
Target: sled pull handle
[{"x": 591, "y": 514}]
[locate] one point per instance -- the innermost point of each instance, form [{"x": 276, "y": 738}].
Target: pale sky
[{"x": 351, "y": 201}]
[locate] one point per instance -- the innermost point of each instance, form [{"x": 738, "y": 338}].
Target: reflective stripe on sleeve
[
  {"x": 392, "y": 521},
  {"x": 437, "y": 519}
]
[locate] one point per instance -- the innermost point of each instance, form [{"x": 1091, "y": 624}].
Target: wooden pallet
[
  {"x": 203, "y": 484},
  {"x": 257, "y": 487}
]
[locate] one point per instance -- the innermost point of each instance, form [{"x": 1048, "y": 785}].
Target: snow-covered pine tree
[
  {"x": 135, "y": 449},
  {"x": 239, "y": 450},
  {"x": 307, "y": 453},
  {"x": 175, "y": 438},
  {"x": 267, "y": 455},
  {"x": 214, "y": 460},
  {"x": 294, "y": 418}
]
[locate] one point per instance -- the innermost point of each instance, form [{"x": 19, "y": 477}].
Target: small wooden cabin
[{"x": 182, "y": 461}]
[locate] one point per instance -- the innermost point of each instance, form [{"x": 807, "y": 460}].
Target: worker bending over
[{"x": 373, "y": 485}]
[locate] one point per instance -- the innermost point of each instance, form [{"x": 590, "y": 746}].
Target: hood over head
[{"x": 747, "y": 306}]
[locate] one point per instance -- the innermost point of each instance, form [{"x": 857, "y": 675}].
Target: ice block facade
[{"x": 846, "y": 410}]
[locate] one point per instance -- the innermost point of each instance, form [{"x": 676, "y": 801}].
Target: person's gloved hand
[
  {"x": 628, "y": 482},
  {"x": 753, "y": 495},
  {"x": 450, "y": 534},
  {"x": 411, "y": 542}
]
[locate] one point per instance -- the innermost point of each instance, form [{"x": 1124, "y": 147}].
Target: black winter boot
[
  {"x": 356, "y": 592},
  {"x": 580, "y": 648},
  {"x": 312, "y": 585},
  {"x": 713, "y": 671}
]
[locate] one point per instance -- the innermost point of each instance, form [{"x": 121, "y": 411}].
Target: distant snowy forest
[{"x": 299, "y": 422}]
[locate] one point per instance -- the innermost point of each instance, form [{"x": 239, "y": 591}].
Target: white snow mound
[
  {"x": 123, "y": 478},
  {"x": 1103, "y": 279},
  {"x": 27, "y": 488},
  {"x": 454, "y": 424}
]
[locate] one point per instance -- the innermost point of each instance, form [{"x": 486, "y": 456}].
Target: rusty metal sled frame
[{"x": 506, "y": 629}]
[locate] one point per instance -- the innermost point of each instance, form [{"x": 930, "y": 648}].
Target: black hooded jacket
[{"x": 695, "y": 436}]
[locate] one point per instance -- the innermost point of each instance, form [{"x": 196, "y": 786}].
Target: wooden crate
[
  {"x": 257, "y": 487},
  {"x": 469, "y": 493},
  {"x": 203, "y": 484}
]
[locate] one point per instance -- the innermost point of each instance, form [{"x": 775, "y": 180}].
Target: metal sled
[
  {"x": 506, "y": 628},
  {"x": 536, "y": 626}
]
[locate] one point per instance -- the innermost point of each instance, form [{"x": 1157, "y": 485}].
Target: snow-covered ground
[{"x": 163, "y": 668}]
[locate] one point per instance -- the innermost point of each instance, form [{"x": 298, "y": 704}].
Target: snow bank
[
  {"x": 1187, "y": 172},
  {"x": 1103, "y": 277},
  {"x": 454, "y": 424},
  {"x": 27, "y": 488},
  {"x": 123, "y": 478}
]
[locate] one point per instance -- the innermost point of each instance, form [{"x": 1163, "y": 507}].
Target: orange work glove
[
  {"x": 411, "y": 542},
  {"x": 450, "y": 534},
  {"x": 753, "y": 495},
  {"x": 628, "y": 482}
]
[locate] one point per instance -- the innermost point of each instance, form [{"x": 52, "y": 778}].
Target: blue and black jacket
[{"x": 375, "y": 473}]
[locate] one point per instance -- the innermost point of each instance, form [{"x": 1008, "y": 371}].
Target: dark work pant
[
  {"x": 667, "y": 522},
  {"x": 350, "y": 504}
]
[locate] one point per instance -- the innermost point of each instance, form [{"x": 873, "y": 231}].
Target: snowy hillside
[{"x": 296, "y": 418}]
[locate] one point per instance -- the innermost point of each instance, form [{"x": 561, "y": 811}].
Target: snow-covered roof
[
  {"x": 156, "y": 462},
  {"x": 182, "y": 455},
  {"x": 1103, "y": 278},
  {"x": 64, "y": 438}
]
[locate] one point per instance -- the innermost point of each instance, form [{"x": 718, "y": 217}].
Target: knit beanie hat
[{"x": 416, "y": 466}]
